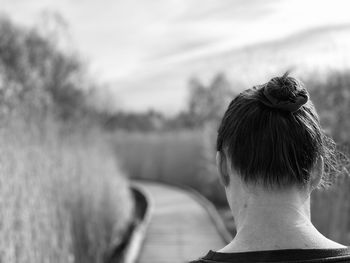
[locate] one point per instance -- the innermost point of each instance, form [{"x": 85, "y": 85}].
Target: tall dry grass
[
  {"x": 330, "y": 210},
  {"x": 179, "y": 157},
  {"x": 62, "y": 199}
]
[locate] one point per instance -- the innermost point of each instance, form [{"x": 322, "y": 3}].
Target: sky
[{"x": 123, "y": 40}]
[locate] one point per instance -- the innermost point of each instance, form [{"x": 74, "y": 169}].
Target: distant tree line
[{"x": 206, "y": 103}]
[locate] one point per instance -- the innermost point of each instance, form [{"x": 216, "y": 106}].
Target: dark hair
[{"x": 272, "y": 134}]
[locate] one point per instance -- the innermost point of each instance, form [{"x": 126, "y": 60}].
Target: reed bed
[
  {"x": 172, "y": 157},
  {"x": 62, "y": 199}
]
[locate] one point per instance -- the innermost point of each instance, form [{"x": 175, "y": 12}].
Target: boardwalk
[{"x": 180, "y": 229}]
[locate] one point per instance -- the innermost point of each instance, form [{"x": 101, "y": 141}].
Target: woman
[{"x": 271, "y": 154}]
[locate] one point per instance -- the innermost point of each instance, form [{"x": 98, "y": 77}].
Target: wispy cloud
[{"x": 121, "y": 37}]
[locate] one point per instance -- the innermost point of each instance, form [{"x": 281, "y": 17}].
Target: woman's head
[{"x": 272, "y": 136}]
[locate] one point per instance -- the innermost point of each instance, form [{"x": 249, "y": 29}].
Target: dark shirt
[{"x": 279, "y": 256}]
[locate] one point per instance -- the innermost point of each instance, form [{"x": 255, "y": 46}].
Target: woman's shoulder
[{"x": 291, "y": 255}]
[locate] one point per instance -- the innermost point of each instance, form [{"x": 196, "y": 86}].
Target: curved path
[{"x": 180, "y": 228}]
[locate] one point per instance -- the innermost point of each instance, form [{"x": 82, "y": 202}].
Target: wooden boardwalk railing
[{"x": 180, "y": 229}]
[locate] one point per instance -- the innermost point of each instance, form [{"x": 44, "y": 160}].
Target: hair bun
[{"x": 284, "y": 93}]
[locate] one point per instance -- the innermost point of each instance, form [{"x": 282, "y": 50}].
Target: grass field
[
  {"x": 61, "y": 199},
  {"x": 172, "y": 157}
]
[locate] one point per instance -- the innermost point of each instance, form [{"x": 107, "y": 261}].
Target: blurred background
[{"x": 95, "y": 93}]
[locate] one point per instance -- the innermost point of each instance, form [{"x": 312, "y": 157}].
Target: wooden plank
[{"x": 180, "y": 229}]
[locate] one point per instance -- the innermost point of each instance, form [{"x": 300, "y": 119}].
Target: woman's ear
[
  {"x": 317, "y": 173},
  {"x": 221, "y": 164}
]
